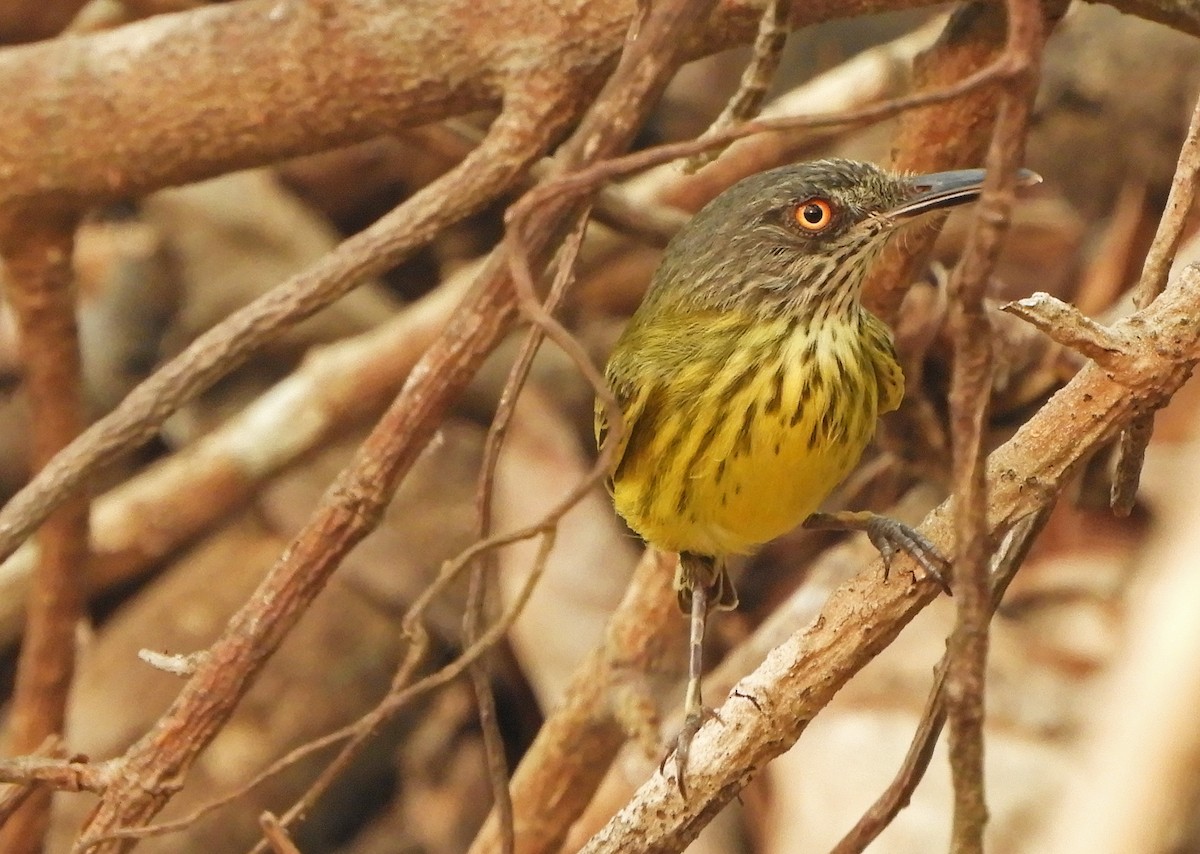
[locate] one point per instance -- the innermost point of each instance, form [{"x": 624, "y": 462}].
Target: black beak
[{"x": 948, "y": 189}]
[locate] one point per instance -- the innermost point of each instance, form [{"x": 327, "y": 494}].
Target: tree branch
[
  {"x": 970, "y": 393},
  {"x": 1134, "y": 440},
  {"x": 39, "y": 289}
]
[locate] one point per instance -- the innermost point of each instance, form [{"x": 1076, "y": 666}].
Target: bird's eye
[{"x": 814, "y": 215}]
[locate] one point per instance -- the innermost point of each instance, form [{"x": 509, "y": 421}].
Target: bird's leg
[
  {"x": 889, "y": 536},
  {"x": 695, "y": 714}
]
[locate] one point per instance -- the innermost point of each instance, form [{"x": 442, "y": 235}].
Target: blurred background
[{"x": 1082, "y": 637}]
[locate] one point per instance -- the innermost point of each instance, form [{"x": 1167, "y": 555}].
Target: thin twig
[
  {"x": 756, "y": 78},
  {"x": 970, "y": 391},
  {"x": 653, "y": 223},
  {"x": 400, "y": 697},
  {"x": 1131, "y": 451},
  {"x": 486, "y": 566},
  {"x": 276, "y": 835},
  {"x": 935, "y": 138},
  {"x": 575, "y": 183},
  {"x": 1169, "y": 233}
]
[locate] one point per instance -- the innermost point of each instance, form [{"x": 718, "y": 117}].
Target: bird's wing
[
  {"x": 889, "y": 376},
  {"x": 631, "y": 398}
]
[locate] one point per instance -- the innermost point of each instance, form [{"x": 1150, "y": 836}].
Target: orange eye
[{"x": 814, "y": 215}]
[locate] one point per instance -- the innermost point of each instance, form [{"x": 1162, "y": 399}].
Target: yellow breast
[{"x": 747, "y": 448}]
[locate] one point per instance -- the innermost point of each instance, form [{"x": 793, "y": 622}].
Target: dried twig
[
  {"x": 933, "y": 138},
  {"x": 276, "y": 835},
  {"x": 66, "y": 775},
  {"x": 1071, "y": 328},
  {"x": 15, "y": 794},
  {"x": 486, "y": 565},
  {"x": 1134, "y": 439},
  {"x": 970, "y": 392},
  {"x": 756, "y": 79},
  {"x": 37, "y": 257},
  {"x": 647, "y": 220}
]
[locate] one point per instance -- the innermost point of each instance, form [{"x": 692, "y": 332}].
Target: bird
[{"x": 750, "y": 378}]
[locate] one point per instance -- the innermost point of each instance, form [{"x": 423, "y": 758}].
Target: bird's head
[{"x": 804, "y": 233}]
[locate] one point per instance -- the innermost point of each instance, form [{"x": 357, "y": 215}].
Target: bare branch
[
  {"x": 487, "y": 564},
  {"x": 519, "y": 136},
  {"x": 1170, "y": 228},
  {"x": 1132, "y": 448},
  {"x": 1071, "y": 328},
  {"x": 970, "y": 393},
  {"x": 336, "y": 389},
  {"x": 756, "y": 79},
  {"x": 66, "y": 775},
  {"x": 39, "y": 288}
]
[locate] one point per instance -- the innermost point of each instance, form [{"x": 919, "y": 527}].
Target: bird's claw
[
  {"x": 692, "y": 722},
  {"x": 889, "y": 536}
]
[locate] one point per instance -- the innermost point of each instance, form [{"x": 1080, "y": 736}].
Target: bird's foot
[
  {"x": 692, "y": 721},
  {"x": 889, "y": 536}
]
